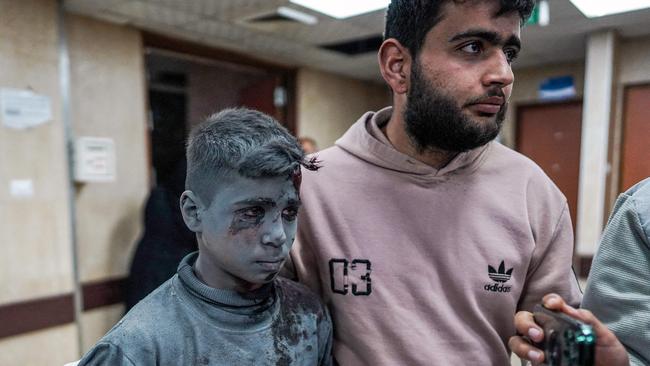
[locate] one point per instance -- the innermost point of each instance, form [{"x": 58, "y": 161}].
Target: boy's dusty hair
[{"x": 244, "y": 141}]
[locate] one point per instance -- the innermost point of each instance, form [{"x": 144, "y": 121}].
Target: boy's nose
[{"x": 275, "y": 236}]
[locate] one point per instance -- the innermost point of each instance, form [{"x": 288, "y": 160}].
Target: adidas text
[{"x": 495, "y": 287}]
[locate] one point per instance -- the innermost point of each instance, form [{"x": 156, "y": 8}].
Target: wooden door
[
  {"x": 635, "y": 151},
  {"x": 550, "y": 135},
  {"x": 259, "y": 96}
]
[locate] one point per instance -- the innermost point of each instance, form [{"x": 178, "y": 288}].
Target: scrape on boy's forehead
[
  {"x": 268, "y": 201},
  {"x": 270, "y": 191}
]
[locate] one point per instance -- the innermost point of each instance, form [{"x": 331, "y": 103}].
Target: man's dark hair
[
  {"x": 409, "y": 21},
  {"x": 242, "y": 141}
]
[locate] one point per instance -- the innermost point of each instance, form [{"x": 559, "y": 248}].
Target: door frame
[
  {"x": 581, "y": 263},
  {"x": 152, "y": 40},
  {"x": 288, "y": 74},
  {"x": 621, "y": 165}
]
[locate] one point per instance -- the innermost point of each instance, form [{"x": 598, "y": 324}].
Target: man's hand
[{"x": 609, "y": 351}]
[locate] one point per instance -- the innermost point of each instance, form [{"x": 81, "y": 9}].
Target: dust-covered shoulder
[
  {"x": 298, "y": 296},
  {"x": 138, "y": 333}
]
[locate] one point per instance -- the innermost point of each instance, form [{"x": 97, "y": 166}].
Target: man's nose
[
  {"x": 274, "y": 234},
  {"x": 498, "y": 71}
]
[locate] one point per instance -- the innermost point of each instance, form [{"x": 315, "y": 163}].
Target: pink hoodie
[{"x": 420, "y": 266}]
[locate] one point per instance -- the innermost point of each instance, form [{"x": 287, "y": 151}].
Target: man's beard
[{"x": 435, "y": 122}]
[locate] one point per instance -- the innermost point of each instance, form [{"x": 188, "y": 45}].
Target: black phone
[{"x": 567, "y": 341}]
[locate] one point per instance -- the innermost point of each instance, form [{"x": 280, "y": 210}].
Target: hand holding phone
[{"x": 567, "y": 341}]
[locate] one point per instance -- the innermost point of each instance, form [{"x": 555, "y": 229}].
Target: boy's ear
[{"x": 191, "y": 208}]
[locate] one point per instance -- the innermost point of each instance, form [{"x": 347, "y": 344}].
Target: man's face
[
  {"x": 462, "y": 79},
  {"x": 247, "y": 230}
]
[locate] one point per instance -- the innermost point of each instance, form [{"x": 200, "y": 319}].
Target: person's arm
[
  {"x": 551, "y": 269},
  {"x": 609, "y": 351},
  {"x": 105, "y": 354},
  {"x": 618, "y": 289}
]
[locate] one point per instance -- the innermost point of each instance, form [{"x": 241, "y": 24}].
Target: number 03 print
[{"x": 355, "y": 274}]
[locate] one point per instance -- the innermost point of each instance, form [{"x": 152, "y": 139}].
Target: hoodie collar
[{"x": 366, "y": 140}]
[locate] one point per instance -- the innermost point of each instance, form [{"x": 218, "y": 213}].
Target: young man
[
  {"x": 225, "y": 305},
  {"x": 423, "y": 235}
]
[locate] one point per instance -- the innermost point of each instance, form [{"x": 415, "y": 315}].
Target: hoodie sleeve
[
  {"x": 551, "y": 268},
  {"x": 301, "y": 265},
  {"x": 618, "y": 290}
]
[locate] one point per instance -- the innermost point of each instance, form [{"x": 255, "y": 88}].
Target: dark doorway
[
  {"x": 550, "y": 135},
  {"x": 184, "y": 89},
  {"x": 168, "y": 130}
]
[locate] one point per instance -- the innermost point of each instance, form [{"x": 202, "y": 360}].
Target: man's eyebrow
[
  {"x": 513, "y": 41},
  {"x": 488, "y": 36}
]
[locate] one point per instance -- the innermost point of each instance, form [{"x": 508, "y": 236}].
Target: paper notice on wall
[
  {"x": 22, "y": 109},
  {"x": 95, "y": 159},
  {"x": 21, "y": 188}
]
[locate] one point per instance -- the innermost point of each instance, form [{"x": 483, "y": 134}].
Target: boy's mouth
[{"x": 271, "y": 265}]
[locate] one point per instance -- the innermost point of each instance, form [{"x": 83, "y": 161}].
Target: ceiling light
[
  {"x": 343, "y": 8},
  {"x": 592, "y": 9},
  {"x": 298, "y": 16}
]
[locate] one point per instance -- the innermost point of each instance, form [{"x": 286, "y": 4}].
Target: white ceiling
[{"x": 223, "y": 24}]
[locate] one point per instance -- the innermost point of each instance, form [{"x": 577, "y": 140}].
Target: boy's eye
[
  {"x": 252, "y": 212},
  {"x": 472, "y": 48},
  {"x": 290, "y": 213}
]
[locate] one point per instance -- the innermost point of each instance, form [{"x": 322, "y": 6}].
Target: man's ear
[
  {"x": 191, "y": 208},
  {"x": 395, "y": 65}
]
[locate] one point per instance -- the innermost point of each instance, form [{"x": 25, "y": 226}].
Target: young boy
[{"x": 225, "y": 305}]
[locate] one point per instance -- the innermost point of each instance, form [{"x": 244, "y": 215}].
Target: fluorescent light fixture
[
  {"x": 599, "y": 8},
  {"x": 343, "y": 8},
  {"x": 297, "y": 15},
  {"x": 544, "y": 13}
]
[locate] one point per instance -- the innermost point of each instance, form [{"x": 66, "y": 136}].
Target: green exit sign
[{"x": 540, "y": 15}]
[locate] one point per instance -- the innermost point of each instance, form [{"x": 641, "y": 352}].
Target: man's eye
[
  {"x": 511, "y": 54},
  {"x": 473, "y": 48},
  {"x": 290, "y": 213}
]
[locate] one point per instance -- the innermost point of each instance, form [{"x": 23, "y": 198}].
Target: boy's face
[{"x": 247, "y": 231}]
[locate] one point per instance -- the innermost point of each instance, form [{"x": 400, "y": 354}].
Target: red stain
[{"x": 296, "y": 177}]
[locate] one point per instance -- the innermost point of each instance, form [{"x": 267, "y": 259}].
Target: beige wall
[
  {"x": 108, "y": 100},
  {"x": 34, "y": 231},
  {"x": 328, "y": 105},
  {"x": 634, "y": 61},
  {"x": 97, "y": 322},
  {"x": 53, "y": 346}
]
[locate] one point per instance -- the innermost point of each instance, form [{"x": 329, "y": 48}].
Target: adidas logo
[{"x": 501, "y": 275}]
